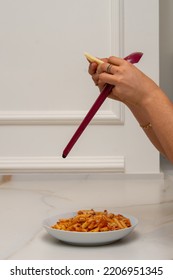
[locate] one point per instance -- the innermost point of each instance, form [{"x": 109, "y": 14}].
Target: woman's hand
[{"x": 131, "y": 85}]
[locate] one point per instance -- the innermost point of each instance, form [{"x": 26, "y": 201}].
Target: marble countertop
[{"x": 25, "y": 203}]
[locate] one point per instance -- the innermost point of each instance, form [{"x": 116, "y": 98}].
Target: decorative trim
[
  {"x": 115, "y": 113},
  {"x": 10, "y": 165},
  {"x": 121, "y": 28},
  {"x": 117, "y": 27},
  {"x": 61, "y": 117}
]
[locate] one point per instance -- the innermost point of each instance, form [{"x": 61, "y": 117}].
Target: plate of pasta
[{"x": 90, "y": 227}]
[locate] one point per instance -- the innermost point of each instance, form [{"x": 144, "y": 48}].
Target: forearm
[
  {"x": 159, "y": 111},
  {"x": 143, "y": 120}
]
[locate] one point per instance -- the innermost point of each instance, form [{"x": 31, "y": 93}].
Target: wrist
[{"x": 148, "y": 95}]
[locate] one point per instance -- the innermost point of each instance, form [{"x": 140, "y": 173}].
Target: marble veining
[{"x": 25, "y": 201}]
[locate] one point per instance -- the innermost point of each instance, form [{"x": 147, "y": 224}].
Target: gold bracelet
[{"x": 146, "y": 126}]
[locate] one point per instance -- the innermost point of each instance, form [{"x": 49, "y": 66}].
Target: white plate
[{"x": 86, "y": 238}]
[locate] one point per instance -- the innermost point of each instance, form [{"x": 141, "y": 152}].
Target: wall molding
[
  {"x": 117, "y": 27},
  {"x": 109, "y": 164},
  {"x": 62, "y": 117},
  {"x": 115, "y": 112}
]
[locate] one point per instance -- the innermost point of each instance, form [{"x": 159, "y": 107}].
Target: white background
[{"x": 46, "y": 91}]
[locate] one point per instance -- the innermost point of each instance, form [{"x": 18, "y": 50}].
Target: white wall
[{"x": 46, "y": 90}]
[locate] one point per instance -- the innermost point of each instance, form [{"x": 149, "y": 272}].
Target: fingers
[
  {"x": 103, "y": 73},
  {"x": 111, "y": 71},
  {"x": 94, "y": 65},
  {"x": 115, "y": 60},
  {"x": 106, "y": 78},
  {"x": 107, "y": 68},
  {"x": 112, "y": 65},
  {"x": 92, "y": 68}
]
